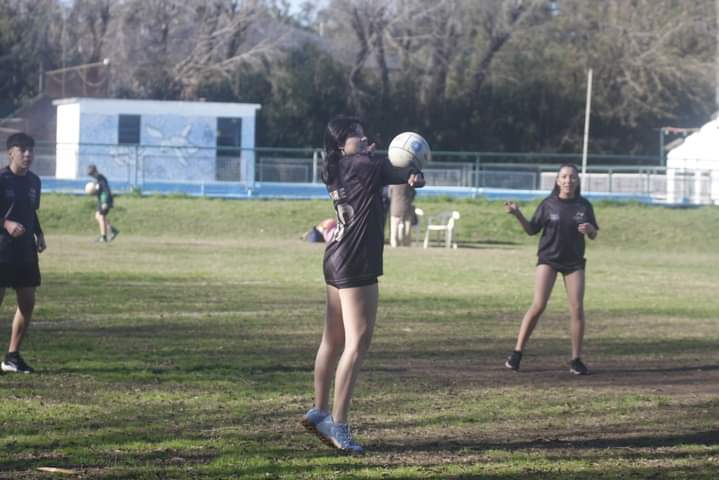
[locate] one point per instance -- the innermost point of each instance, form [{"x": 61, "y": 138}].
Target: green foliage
[
  {"x": 622, "y": 225},
  {"x": 307, "y": 90},
  {"x": 652, "y": 62}
]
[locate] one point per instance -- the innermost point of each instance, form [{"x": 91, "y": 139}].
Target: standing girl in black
[
  {"x": 352, "y": 263},
  {"x": 564, "y": 218}
]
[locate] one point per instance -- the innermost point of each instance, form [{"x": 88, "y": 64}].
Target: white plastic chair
[{"x": 442, "y": 222}]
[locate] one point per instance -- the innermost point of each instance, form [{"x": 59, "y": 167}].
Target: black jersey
[
  {"x": 353, "y": 256},
  {"x": 104, "y": 195},
  {"x": 19, "y": 201},
  {"x": 561, "y": 243}
]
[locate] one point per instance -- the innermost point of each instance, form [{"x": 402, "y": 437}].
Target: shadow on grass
[
  {"x": 241, "y": 352},
  {"x": 100, "y": 460},
  {"x": 684, "y": 369},
  {"x": 707, "y": 438},
  {"x": 487, "y": 243}
]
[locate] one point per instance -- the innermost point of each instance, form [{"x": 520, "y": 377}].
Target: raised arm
[
  {"x": 392, "y": 175},
  {"x": 513, "y": 209}
]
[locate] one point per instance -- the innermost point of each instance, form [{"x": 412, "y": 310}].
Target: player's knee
[
  {"x": 537, "y": 308},
  {"x": 26, "y": 306},
  {"x": 361, "y": 342},
  {"x": 333, "y": 342}
]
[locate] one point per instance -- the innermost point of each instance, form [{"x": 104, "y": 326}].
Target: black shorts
[
  {"x": 562, "y": 268},
  {"x": 351, "y": 283},
  {"x": 19, "y": 275},
  {"x": 103, "y": 211}
]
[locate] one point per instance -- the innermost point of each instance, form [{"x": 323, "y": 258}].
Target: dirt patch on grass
[{"x": 668, "y": 377}]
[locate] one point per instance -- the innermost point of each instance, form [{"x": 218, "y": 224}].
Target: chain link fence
[{"x": 142, "y": 166}]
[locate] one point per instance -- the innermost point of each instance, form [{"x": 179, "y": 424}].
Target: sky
[{"x": 295, "y": 4}]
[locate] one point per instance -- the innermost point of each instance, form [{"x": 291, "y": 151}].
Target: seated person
[{"x": 322, "y": 232}]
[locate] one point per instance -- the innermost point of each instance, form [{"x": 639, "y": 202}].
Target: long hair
[
  {"x": 338, "y": 129},
  {"x": 578, "y": 190}
]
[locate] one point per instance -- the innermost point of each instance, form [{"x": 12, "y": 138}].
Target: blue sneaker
[
  {"x": 310, "y": 420},
  {"x": 338, "y": 435}
]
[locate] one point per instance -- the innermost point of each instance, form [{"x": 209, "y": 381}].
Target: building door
[{"x": 229, "y": 149}]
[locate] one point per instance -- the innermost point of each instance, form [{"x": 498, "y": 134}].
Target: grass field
[{"x": 185, "y": 348}]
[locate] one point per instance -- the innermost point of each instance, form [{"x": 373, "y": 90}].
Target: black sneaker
[
  {"x": 115, "y": 232},
  {"x": 578, "y": 368},
  {"x": 513, "y": 360},
  {"x": 101, "y": 239},
  {"x": 14, "y": 363}
]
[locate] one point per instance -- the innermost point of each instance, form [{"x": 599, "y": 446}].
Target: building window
[
  {"x": 229, "y": 137},
  {"x": 128, "y": 130}
]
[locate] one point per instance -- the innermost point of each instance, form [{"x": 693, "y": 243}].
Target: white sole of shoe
[{"x": 10, "y": 369}]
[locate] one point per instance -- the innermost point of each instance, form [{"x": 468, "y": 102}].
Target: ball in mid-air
[
  {"x": 409, "y": 149},
  {"x": 90, "y": 188}
]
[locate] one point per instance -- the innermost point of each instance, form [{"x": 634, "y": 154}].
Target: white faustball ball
[
  {"x": 90, "y": 188},
  {"x": 409, "y": 148}
]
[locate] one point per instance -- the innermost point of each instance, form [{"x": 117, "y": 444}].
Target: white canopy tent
[{"x": 693, "y": 168}]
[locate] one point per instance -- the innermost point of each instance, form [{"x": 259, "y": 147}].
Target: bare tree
[
  {"x": 169, "y": 48},
  {"x": 87, "y": 27},
  {"x": 650, "y": 56},
  {"x": 433, "y": 39},
  {"x": 358, "y": 31}
]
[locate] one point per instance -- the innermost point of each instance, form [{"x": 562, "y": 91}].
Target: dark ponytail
[
  {"x": 578, "y": 191},
  {"x": 338, "y": 129}
]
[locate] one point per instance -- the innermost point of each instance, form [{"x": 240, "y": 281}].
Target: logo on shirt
[
  {"x": 579, "y": 216},
  {"x": 345, "y": 214},
  {"x": 32, "y": 193},
  {"x": 553, "y": 217}
]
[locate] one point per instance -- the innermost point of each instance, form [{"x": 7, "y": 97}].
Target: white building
[
  {"x": 693, "y": 168},
  {"x": 139, "y": 140}
]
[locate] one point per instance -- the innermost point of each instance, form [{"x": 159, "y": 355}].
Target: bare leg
[
  {"x": 394, "y": 231},
  {"x": 359, "y": 312},
  {"x": 101, "y": 222},
  {"x": 574, "y": 284},
  {"x": 23, "y": 314},
  {"x": 406, "y": 233},
  {"x": 333, "y": 340},
  {"x": 544, "y": 278}
]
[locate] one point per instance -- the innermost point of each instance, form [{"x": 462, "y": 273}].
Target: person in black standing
[
  {"x": 21, "y": 239},
  {"x": 352, "y": 263},
  {"x": 104, "y": 204},
  {"x": 564, "y": 218}
]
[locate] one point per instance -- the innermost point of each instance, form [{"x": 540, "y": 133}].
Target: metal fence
[{"x": 143, "y": 166}]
